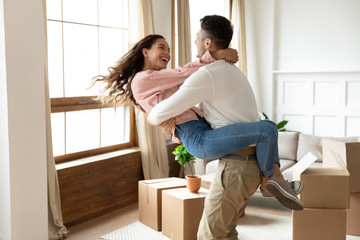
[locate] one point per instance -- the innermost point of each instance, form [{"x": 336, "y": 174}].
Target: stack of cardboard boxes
[
  {"x": 167, "y": 205},
  {"x": 353, "y": 215},
  {"x": 331, "y": 197},
  {"x": 350, "y": 154},
  {"x": 150, "y": 199},
  {"x": 326, "y": 193}
]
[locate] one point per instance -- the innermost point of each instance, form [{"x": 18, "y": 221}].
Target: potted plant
[
  {"x": 182, "y": 156},
  {"x": 280, "y": 125}
]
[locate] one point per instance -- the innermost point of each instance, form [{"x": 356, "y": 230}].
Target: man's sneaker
[
  {"x": 297, "y": 186},
  {"x": 284, "y": 193},
  {"x": 266, "y": 194}
]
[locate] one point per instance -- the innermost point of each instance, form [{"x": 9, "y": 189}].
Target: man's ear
[
  {"x": 208, "y": 43},
  {"x": 145, "y": 52}
]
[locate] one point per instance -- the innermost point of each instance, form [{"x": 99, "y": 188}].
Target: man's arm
[{"x": 197, "y": 88}]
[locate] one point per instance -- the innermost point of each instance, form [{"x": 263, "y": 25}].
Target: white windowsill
[{"x": 96, "y": 158}]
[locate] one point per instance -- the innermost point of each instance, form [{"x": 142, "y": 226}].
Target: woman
[
  {"x": 121, "y": 84},
  {"x": 137, "y": 78}
]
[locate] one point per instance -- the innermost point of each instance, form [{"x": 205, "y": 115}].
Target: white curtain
[
  {"x": 152, "y": 141},
  {"x": 141, "y": 20},
  {"x": 57, "y": 230},
  {"x": 56, "y": 227},
  {"x": 238, "y": 42},
  {"x": 184, "y": 33}
]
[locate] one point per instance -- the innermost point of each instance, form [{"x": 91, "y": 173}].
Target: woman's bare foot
[{"x": 277, "y": 173}]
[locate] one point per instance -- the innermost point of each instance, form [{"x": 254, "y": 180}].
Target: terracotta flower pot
[{"x": 193, "y": 183}]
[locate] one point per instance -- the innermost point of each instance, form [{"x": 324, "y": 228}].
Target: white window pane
[
  {"x": 114, "y": 126},
  {"x": 76, "y": 53},
  {"x": 53, "y": 9},
  {"x": 82, "y": 130},
  {"x": 201, "y": 8},
  {"x": 55, "y": 59},
  {"x": 194, "y": 50},
  {"x": 125, "y": 13},
  {"x": 113, "y": 13},
  {"x": 80, "y": 59},
  {"x": 80, "y": 11},
  {"x": 127, "y": 123},
  {"x": 113, "y": 45},
  {"x": 58, "y": 133}
]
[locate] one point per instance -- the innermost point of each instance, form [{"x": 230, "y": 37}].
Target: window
[
  {"x": 199, "y": 9},
  {"x": 85, "y": 37}
]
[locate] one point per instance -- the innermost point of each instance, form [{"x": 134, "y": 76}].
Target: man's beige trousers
[{"x": 234, "y": 183}]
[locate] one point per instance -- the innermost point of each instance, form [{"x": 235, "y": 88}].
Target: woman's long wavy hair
[{"x": 117, "y": 87}]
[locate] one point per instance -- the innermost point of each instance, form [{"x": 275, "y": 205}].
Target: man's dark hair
[{"x": 218, "y": 28}]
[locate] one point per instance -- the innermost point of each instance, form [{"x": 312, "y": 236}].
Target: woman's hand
[
  {"x": 229, "y": 54},
  {"x": 168, "y": 126}
]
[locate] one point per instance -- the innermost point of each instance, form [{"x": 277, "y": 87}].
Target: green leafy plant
[
  {"x": 280, "y": 125},
  {"x": 182, "y": 156}
]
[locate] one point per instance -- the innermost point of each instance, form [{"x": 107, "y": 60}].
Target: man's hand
[
  {"x": 229, "y": 54},
  {"x": 168, "y": 126}
]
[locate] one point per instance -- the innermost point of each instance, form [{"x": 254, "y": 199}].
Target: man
[{"x": 226, "y": 97}]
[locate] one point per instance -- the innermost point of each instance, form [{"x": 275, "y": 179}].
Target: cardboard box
[
  {"x": 349, "y": 153},
  {"x": 182, "y": 213},
  {"x": 150, "y": 199},
  {"x": 302, "y": 165},
  {"x": 319, "y": 224},
  {"x": 353, "y": 215},
  {"x": 323, "y": 187},
  {"x": 206, "y": 180}
]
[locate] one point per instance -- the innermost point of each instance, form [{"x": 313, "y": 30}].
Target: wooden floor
[{"x": 100, "y": 226}]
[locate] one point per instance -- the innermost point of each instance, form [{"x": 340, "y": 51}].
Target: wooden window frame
[{"x": 70, "y": 104}]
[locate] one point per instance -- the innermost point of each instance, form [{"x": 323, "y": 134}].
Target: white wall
[
  {"x": 23, "y": 168},
  {"x": 307, "y": 57},
  {"x": 259, "y": 44},
  {"x": 317, "y": 35}
]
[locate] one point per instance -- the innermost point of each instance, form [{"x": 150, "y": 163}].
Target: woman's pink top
[{"x": 151, "y": 87}]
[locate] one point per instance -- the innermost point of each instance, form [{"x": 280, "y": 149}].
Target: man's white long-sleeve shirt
[{"x": 224, "y": 94}]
